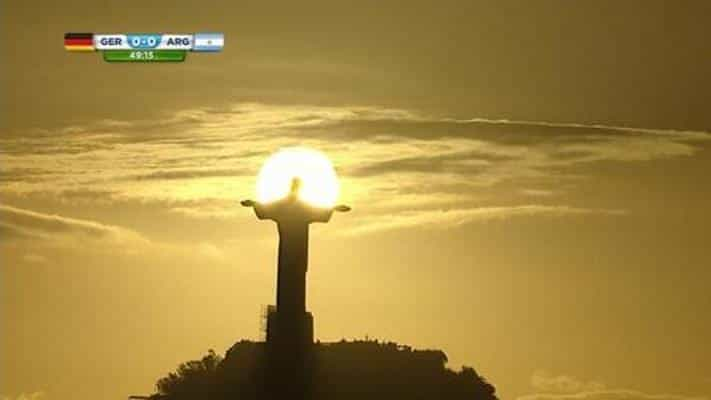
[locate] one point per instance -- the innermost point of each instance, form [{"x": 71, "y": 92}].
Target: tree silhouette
[{"x": 192, "y": 379}]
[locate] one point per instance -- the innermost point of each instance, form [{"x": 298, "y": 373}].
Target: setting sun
[{"x": 319, "y": 184}]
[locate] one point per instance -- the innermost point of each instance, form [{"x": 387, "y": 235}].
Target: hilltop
[{"x": 341, "y": 370}]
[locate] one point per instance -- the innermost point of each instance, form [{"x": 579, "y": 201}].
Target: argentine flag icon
[{"x": 208, "y": 42}]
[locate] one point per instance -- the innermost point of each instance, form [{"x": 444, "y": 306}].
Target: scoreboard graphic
[{"x": 144, "y": 47}]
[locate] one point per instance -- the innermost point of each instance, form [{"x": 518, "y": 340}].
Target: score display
[
  {"x": 144, "y": 55},
  {"x": 144, "y": 47}
]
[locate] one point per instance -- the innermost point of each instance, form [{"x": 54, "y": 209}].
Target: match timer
[{"x": 144, "y": 55}]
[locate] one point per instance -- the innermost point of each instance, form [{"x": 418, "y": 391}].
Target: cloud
[
  {"x": 18, "y": 223},
  {"x": 210, "y": 252},
  {"x": 192, "y": 173},
  {"x": 538, "y": 192},
  {"x": 34, "y": 258},
  {"x": 610, "y": 394},
  {"x": 566, "y": 387},
  {"x": 546, "y": 382},
  {"x": 82, "y": 195},
  {"x": 26, "y": 396},
  {"x": 199, "y": 162},
  {"x": 467, "y": 162},
  {"x": 448, "y": 218}
]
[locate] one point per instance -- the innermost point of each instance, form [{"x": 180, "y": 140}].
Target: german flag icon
[{"x": 79, "y": 41}]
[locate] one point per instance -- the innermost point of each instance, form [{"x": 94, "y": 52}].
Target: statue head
[{"x": 295, "y": 188}]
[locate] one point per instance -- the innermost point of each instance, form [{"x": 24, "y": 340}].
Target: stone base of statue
[
  {"x": 289, "y": 329},
  {"x": 289, "y": 354}
]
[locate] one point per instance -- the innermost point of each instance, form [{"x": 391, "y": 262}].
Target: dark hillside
[{"x": 342, "y": 370}]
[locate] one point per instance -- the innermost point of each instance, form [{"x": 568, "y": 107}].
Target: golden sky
[{"x": 531, "y": 176}]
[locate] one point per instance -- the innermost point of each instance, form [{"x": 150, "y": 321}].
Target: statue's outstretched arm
[
  {"x": 260, "y": 209},
  {"x": 324, "y": 214}
]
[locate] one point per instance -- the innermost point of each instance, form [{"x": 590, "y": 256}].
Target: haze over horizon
[{"x": 531, "y": 176}]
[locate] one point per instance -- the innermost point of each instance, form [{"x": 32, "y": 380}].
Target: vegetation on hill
[{"x": 342, "y": 370}]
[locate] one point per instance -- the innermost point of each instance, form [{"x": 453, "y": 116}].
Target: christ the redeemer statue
[{"x": 290, "y": 324}]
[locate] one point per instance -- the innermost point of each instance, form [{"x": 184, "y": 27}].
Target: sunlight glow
[{"x": 319, "y": 181}]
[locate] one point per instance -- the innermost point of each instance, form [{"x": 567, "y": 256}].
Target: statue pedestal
[
  {"x": 289, "y": 330},
  {"x": 290, "y": 365}
]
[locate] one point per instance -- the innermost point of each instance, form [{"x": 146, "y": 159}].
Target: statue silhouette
[
  {"x": 293, "y": 217},
  {"x": 290, "y": 326}
]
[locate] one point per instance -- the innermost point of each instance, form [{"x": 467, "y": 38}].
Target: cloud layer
[
  {"x": 407, "y": 167},
  {"x": 565, "y": 387},
  {"x": 612, "y": 394},
  {"x": 25, "y": 396},
  {"x": 20, "y": 223},
  {"x": 544, "y": 381}
]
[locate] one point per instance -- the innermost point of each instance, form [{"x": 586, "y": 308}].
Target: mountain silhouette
[{"x": 361, "y": 369}]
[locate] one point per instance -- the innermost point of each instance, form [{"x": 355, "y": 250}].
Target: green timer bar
[{"x": 144, "y": 55}]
